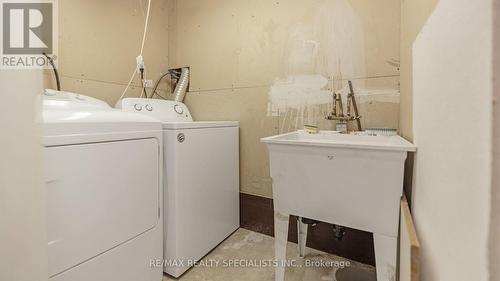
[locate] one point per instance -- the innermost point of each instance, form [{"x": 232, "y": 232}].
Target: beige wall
[
  {"x": 494, "y": 241},
  {"x": 23, "y": 229},
  {"x": 99, "y": 41},
  {"x": 241, "y": 53},
  {"x": 452, "y": 82},
  {"x": 414, "y": 13}
]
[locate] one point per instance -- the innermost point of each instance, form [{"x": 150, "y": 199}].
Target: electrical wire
[
  {"x": 56, "y": 74},
  {"x": 128, "y": 84},
  {"x": 154, "y": 93},
  {"x": 143, "y": 72},
  {"x": 160, "y": 96},
  {"x": 146, "y": 24},
  {"x": 143, "y": 79},
  {"x": 173, "y": 74}
]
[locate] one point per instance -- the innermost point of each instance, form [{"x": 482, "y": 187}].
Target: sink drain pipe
[{"x": 338, "y": 230}]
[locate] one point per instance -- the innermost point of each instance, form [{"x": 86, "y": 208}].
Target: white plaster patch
[
  {"x": 297, "y": 92},
  {"x": 388, "y": 95},
  {"x": 373, "y": 95}
]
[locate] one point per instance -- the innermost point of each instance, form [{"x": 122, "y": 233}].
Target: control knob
[{"x": 178, "y": 109}]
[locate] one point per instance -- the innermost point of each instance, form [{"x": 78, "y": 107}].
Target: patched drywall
[
  {"x": 273, "y": 65},
  {"x": 99, "y": 41},
  {"x": 453, "y": 132},
  {"x": 414, "y": 13}
]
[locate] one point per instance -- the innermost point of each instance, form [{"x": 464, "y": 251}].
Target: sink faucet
[{"x": 352, "y": 109}]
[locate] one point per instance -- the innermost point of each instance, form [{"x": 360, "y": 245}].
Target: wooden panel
[{"x": 409, "y": 257}]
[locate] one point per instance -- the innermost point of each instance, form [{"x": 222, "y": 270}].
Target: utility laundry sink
[
  {"x": 353, "y": 180},
  {"x": 336, "y": 139}
]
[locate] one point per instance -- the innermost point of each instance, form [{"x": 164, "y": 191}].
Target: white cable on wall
[
  {"x": 128, "y": 84},
  {"x": 146, "y": 24}
]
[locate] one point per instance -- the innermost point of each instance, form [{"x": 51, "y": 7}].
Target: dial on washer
[{"x": 178, "y": 109}]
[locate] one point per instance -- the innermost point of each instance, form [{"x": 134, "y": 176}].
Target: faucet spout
[{"x": 352, "y": 113}]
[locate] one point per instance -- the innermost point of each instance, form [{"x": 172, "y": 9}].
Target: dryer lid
[
  {"x": 61, "y": 100},
  {"x": 67, "y": 113}
]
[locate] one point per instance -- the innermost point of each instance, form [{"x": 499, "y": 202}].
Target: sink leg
[
  {"x": 302, "y": 237},
  {"x": 386, "y": 248},
  {"x": 280, "y": 241}
]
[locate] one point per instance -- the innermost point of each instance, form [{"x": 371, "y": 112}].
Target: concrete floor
[{"x": 255, "y": 247}]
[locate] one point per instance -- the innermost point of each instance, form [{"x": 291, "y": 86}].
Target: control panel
[{"x": 163, "y": 110}]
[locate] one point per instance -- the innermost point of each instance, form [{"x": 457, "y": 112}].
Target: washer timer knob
[
  {"x": 137, "y": 107},
  {"x": 149, "y": 107},
  {"x": 178, "y": 109}
]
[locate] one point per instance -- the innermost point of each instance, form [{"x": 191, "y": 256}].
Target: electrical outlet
[{"x": 148, "y": 83}]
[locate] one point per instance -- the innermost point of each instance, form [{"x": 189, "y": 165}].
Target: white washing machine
[
  {"x": 201, "y": 195},
  {"x": 104, "y": 191}
]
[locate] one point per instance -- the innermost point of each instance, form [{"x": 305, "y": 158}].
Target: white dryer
[
  {"x": 201, "y": 167},
  {"x": 104, "y": 191}
]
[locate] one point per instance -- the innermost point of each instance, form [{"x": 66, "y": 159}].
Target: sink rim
[{"x": 399, "y": 143}]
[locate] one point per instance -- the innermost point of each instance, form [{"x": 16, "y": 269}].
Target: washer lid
[{"x": 199, "y": 125}]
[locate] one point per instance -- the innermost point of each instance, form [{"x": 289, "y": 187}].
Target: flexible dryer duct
[{"x": 182, "y": 85}]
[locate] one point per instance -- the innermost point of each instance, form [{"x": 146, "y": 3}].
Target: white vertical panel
[
  {"x": 452, "y": 68},
  {"x": 23, "y": 241}
]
